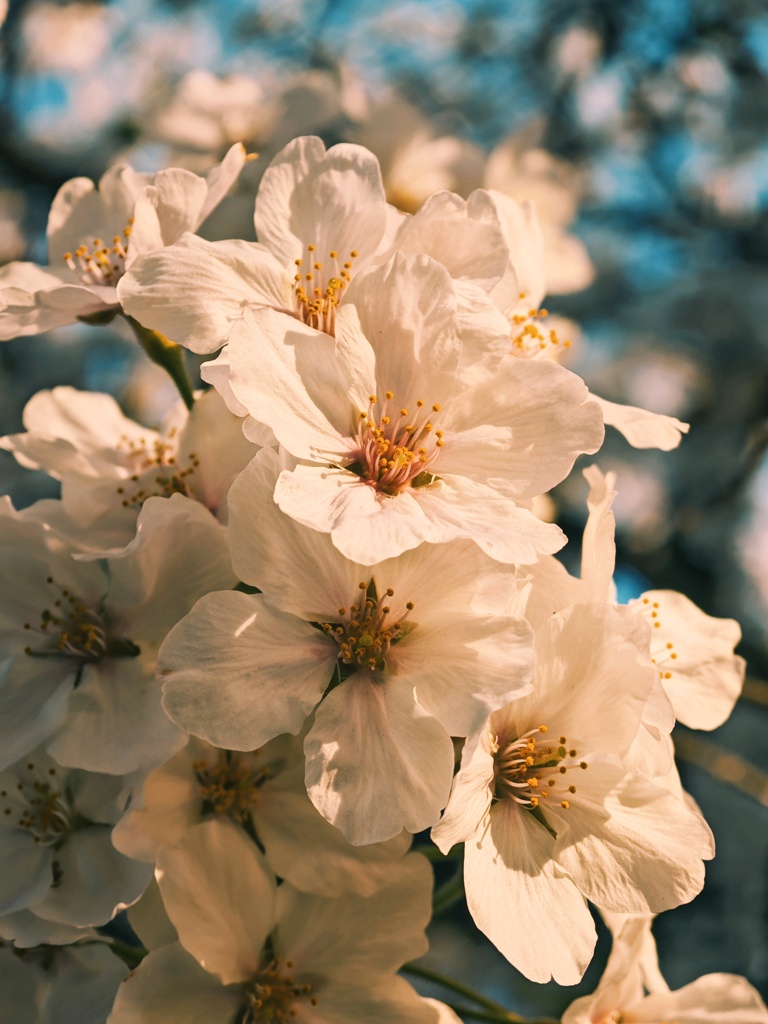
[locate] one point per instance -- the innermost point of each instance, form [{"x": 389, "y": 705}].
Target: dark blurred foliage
[{"x": 662, "y": 107}]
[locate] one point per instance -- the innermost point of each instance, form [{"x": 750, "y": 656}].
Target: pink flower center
[{"x": 396, "y": 446}]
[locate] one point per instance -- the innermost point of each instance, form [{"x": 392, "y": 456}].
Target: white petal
[
  {"x": 406, "y": 309},
  {"x": 84, "y": 986},
  {"x": 289, "y": 824},
  {"x": 194, "y": 291},
  {"x": 598, "y": 547},
  {"x": 179, "y": 553},
  {"x": 376, "y": 762},
  {"x": 165, "y": 210},
  {"x": 529, "y": 908},
  {"x": 335, "y": 938},
  {"x": 287, "y": 375},
  {"x": 33, "y": 300},
  {"x": 593, "y": 678},
  {"x": 221, "y": 178},
  {"x": 308, "y": 196},
  {"x": 643, "y": 429},
  {"x": 631, "y": 846},
  {"x": 169, "y": 987},
  {"x": 366, "y": 526},
  {"x": 471, "y": 796},
  {"x": 464, "y": 235},
  {"x": 704, "y": 678},
  {"x": 238, "y": 672},
  {"x": 521, "y": 430},
  {"x": 215, "y": 437},
  {"x": 524, "y": 287},
  {"x": 115, "y": 723},
  {"x": 461, "y": 507},
  {"x": 276, "y": 556},
  {"x": 80, "y": 212},
  {"x": 25, "y": 869},
  {"x": 712, "y": 999},
  {"x": 96, "y": 881},
  {"x": 466, "y": 666},
  {"x": 220, "y": 895}
]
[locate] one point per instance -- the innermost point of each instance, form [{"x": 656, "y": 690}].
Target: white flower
[
  {"x": 251, "y": 952},
  {"x": 56, "y": 855},
  {"x": 629, "y": 991},
  {"x": 262, "y": 790},
  {"x": 693, "y": 651},
  {"x": 398, "y": 448},
  {"x": 550, "y": 813},
  {"x": 320, "y": 217},
  {"x": 95, "y": 235},
  {"x": 109, "y": 465},
  {"x": 405, "y": 661},
  {"x": 519, "y": 296},
  {"x": 80, "y": 645}
]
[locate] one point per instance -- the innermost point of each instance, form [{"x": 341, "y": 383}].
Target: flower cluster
[{"x": 248, "y": 648}]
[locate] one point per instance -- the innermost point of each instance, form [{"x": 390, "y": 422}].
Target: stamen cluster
[
  {"x": 81, "y": 632},
  {"x": 230, "y": 785},
  {"x": 529, "y": 337},
  {"x": 528, "y": 770},
  {"x": 397, "y": 447},
  {"x": 160, "y": 454},
  {"x": 45, "y": 813},
  {"x": 365, "y": 638},
  {"x": 270, "y": 995},
  {"x": 103, "y": 264},
  {"x": 662, "y": 656},
  {"x": 315, "y": 299}
]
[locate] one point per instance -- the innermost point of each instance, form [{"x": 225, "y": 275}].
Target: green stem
[
  {"x": 428, "y": 974},
  {"x": 167, "y": 354},
  {"x": 449, "y": 893}
]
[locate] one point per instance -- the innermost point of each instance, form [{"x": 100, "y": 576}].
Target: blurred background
[{"x": 639, "y": 127}]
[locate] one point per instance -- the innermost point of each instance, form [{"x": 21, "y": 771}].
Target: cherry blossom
[
  {"x": 256, "y": 953},
  {"x": 96, "y": 234},
  {"x": 81, "y": 637},
  {"x": 396, "y": 449},
  {"x": 109, "y": 464},
  {"x": 393, "y": 654},
  {"x": 552, "y": 816}
]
